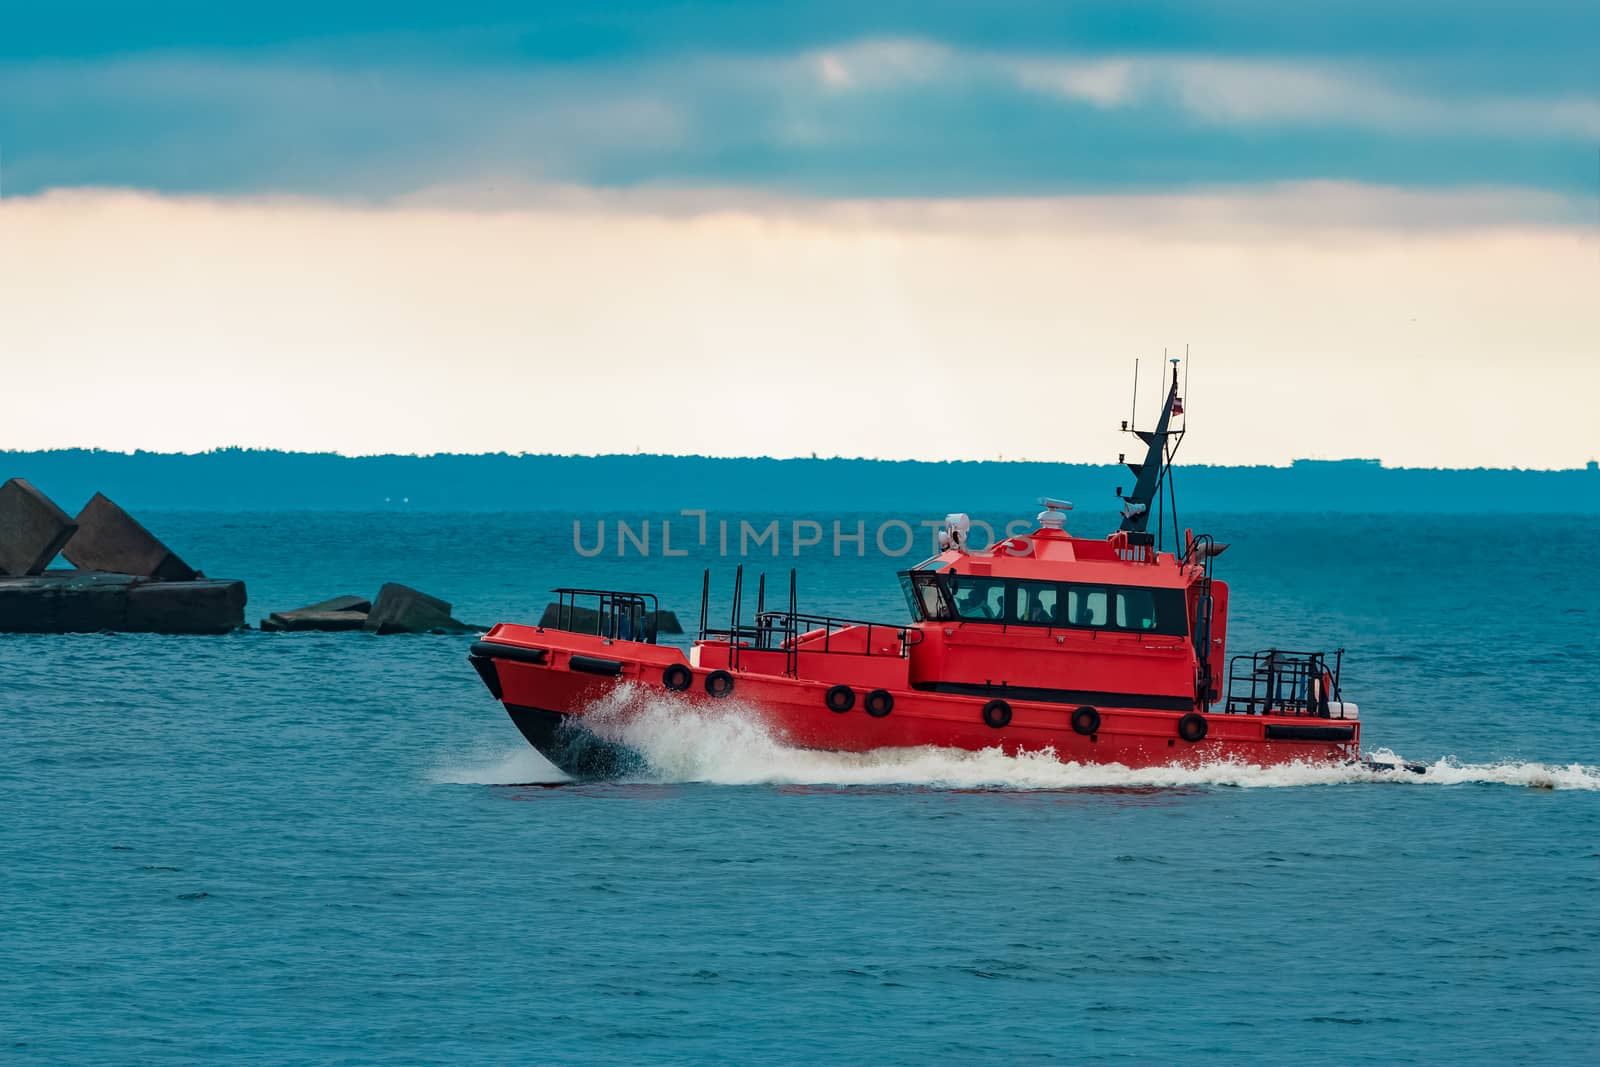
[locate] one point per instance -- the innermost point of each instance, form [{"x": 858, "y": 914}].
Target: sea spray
[
  {"x": 729, "y": 744},
  {"x": 514, "y": 766}
]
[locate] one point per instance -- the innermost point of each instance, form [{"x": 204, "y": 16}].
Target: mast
[{"x": 1151, "y": 474}]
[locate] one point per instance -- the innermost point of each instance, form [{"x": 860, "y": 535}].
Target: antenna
[
  {"x": 1134, "y": 414},
  {"x": 1186, "y": 386},
  {"x": 1172, "y": 394},
  {"x": 1159, "y": 385}
]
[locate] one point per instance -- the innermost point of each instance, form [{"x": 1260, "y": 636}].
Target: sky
[{"x": 928, "y": 230}]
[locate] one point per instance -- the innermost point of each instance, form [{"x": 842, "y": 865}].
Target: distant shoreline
[
  {"x": 235, "y": 451},
  {"x": 248, "y": 479}
]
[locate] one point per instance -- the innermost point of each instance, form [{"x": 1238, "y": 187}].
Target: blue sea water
[{"x": 335, "y": 848}]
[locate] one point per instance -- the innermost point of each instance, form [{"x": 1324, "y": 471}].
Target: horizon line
[{"x": 1358, "y": 462}]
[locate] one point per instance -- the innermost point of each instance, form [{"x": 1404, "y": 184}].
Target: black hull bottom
[
  {"x": 574, "y": 750},
  {"x": 1379, "y": 765}
]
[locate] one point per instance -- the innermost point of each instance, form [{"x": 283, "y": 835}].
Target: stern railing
[{"x": 1281, "y": 682}]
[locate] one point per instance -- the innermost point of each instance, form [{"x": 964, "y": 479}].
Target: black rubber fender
[
  {"x": 997, "y": 713},
  {"x": 1275, "y": 732},
  {"x": 1086, "y": 721},
  {"x": 840, "y": 698},
  {"x": 1193, "y": 726},
  {"x": 719, "y": 684},
  {"x": 879, "y": 703},
  {"x": 595, "y": 665},
  {"x": 677, "y": 677},
  {"x": 496, "y": 650}
]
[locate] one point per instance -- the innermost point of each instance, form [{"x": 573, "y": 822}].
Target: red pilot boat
[{"x": 1102, "y": 650}]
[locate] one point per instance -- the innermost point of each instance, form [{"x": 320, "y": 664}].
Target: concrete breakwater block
[
  {"x": 69, "y": 601},
  {"x": 65, "y": 601},
  {"x": 200, "y": 607},
  {"x": 340, "y": 613},
  {"x": 585, "y": 620},
  {"x": 399, "y": 609},
  {"x": 109, "y": 539},
  {"x": 32, "y": 529}
]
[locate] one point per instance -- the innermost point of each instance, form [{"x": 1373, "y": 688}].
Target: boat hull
[
  {"x": 555, "y": 687},
  {"x": 561, "y": 738}
]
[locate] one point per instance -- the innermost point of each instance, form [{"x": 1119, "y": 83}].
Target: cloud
[
  {"x": 220, "y": 124},
  {"x": 737, "y": 321},
  {"x": 1105, "y": 82},
  {"x": 881, "y": 64},
  {"x": 860, "y": 116},
  {"x": 1250, "y": 92}
]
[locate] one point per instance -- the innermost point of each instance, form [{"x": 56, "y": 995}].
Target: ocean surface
[{"x": 281, "y": 848}]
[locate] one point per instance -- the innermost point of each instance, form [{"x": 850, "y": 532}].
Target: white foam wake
[
  {"x": 727, "y": 745},
  {"x": 511, "y": 767}
]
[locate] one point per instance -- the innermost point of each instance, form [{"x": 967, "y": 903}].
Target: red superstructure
[{"x": 1104, "y": 650}]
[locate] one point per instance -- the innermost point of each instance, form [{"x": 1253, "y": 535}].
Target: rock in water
[
  {"x": 203, "y": 607},
  {"x": 64, "y": 602},
  {"x": 338, "y": 603},
  {"x": 399, "y": 609},
  {"x": 340, "y": 613},
  {"x": 284, "y": 621},
  {"x": 61, "y": 601},
  {"x": 109, "y": 539},
  {"x": 32, "y": 529}
]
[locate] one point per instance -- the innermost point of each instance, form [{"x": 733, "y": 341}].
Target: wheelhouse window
[
  {"x": 927, "y": 596},
  {"x": 1036, "y": 603},
  {"x": 1087, "y": 605},
  {"x": 935, "y": 596},
  {"x": 1136, "y": 609},
  {"x": 978, "y": 599}
]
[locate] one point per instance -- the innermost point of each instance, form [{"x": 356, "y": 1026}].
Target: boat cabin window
[
  {"x": 1036, "y": 603},
  {"x": 1136, "y": 609},
  {"x": 978, "y": 599},
  {"x": 927, "y": 596},
  {"x": 1086, "y": 606},
  {"x": 944, "y": 597}
]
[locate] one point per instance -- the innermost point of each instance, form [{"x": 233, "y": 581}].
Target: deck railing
[
  {"x": 781, "y": 629},
  {"x": 617, "y": 614},
  {"x": 1282, "y": 682}
]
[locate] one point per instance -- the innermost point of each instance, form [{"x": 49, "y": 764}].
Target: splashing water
[
  {"x": 517, "y": 766},
  {"x": 729, "y": 745}
]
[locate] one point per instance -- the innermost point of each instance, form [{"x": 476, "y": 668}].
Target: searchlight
[{"x": 954, "y": 535}]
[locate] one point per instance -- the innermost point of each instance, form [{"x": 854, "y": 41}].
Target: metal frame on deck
[
  {"x": 620, "y": 615},
  {"x": 1280, "y": 682},
  {"x": 780, "y": 630}
]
